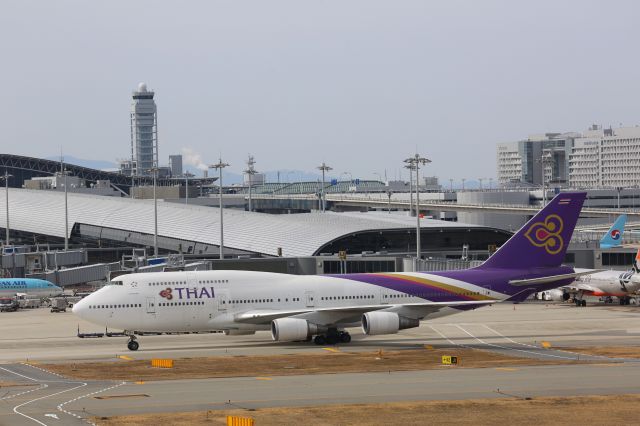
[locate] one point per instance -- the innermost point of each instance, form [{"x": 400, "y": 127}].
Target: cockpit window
[{"x": 115, "y": 282}]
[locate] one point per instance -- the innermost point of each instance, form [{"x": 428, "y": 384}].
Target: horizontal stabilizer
[{"x": 553, "y": 278}]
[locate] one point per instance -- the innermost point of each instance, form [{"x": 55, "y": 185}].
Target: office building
[{"x": 536, "y": 159}]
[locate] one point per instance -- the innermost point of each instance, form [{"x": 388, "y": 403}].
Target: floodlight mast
[
  {"x": 323, "y": 195},
  {"x": 154, "y": 170},
  {"x": 416, "y": 161},
  {"x": 219, "y": 166},
  {"x": 6, "y": 193},
  {"x": 250, "y": 171}
]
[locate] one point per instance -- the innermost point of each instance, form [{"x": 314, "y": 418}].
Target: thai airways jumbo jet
[
  {"x": 613, "y": 237},
  {"x": 30, "y": 286},
  {"x": 296, "y": 308}
]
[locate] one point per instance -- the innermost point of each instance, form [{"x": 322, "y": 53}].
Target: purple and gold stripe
[{"x": 419, "y": 287}]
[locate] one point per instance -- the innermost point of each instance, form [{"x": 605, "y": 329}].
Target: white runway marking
[
  {"x": 506, "y": 348},
  {"x": 84, "y": 396},
  {"x": 15, "y": 409}
]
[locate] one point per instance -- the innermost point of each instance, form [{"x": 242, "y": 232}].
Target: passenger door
[
  {"x": 309, "y": 299},
  {"x": 223, "y": 300},
  {"x": 151, "y": 305}
]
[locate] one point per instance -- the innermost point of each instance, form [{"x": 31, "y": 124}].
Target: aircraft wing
[
  {"x": 586, "y": 288},
  {"x": 553, "y": 278},
  {"x": 352, "y": 313}
]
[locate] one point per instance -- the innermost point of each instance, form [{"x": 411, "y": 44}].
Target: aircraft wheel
[
  {"x": 319, "y": 340},
  {"x": 133, "y": 345},
  {"x": 583, "y": 303},
  {"x": 345, "y": 337},
  {"x": 332, "y": 340}
]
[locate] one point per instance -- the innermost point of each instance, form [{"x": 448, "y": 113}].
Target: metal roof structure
[{"x": 42, "y": 212}]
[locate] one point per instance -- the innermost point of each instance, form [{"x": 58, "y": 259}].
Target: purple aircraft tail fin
[{"x": 543, "y": 241}]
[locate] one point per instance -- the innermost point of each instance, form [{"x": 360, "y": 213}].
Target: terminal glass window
[
  {"x": 617, "y": 259},
  {"x": 358, "y": 266}
]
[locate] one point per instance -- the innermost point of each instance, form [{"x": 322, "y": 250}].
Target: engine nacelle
[
  {"x": 239, "y": 332},
  {"x": 555, "y": 295},
  {"x": 292, "y": 329},
  {"x": 386, "y": 323}
]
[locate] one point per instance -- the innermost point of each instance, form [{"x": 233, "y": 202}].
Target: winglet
[{"x": 636, "y": 262}]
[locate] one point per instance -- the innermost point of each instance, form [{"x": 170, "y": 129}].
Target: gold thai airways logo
[{"x": 547, "y": 234}]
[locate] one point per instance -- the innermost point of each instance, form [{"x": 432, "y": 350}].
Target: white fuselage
[
  {"x": 609, "y": 283},
  {"x": 212, "y": 300}
]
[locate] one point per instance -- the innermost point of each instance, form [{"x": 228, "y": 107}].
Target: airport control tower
[{"x": 144, "y": 132}]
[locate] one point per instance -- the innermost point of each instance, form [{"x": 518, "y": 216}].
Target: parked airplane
[
  {"x": 623, "y": 285},
  {"x": 29, "y": 286},
  {"x": 299, "y": 308},
  {"x": 613, "y": 237}
]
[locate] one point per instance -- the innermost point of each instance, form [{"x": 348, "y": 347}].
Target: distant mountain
[{"x": 93, "y": 164}]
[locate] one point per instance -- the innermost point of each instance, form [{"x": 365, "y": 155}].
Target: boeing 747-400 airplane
[{"x": 298, "y": 308}]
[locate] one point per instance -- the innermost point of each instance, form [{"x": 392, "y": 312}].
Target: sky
[{"x": 360, "y": 84}]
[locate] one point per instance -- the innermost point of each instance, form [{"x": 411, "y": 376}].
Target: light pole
[
  {"x": 416, "y": 161},
  {"x": 66, "y": 207},
  {"x": 187, "y": 175},
  {"x": 324, "y": 169},
  {"x": 490, "y": 184},
  {"x": 411, "y": 168},
  {"x": 546, "y": 159},
  {"x": 250, "y": 171},
  {"x": 450, "y": 185},
  {"x": 480, "y": 180},
  {"x": 6, "y": 193},
  {"x": 463, "y": 179},
  {"x": 219, "y": 166},
  {"x": 389, "y": 194},
  {"x": 154, "y": 170}
]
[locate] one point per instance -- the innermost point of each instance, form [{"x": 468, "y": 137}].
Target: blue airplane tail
[{"x": 613, "y": 237}]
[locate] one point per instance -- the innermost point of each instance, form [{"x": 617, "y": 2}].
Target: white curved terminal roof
[{"x": 42, "y": 212}]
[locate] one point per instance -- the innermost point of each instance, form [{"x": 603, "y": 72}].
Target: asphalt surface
[
  {"x": 49, "y": 337},
  {"x": 40, "y": 397}
]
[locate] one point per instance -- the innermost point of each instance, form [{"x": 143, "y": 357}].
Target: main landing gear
[
  {"x": 132, "y": 344},
  {"x": 332, "y": 337}
]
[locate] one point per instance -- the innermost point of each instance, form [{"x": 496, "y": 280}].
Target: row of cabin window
[
  {"x": 180, "y": 303},
  {"x": 368, "y": 296},
  {"x": 184, "y": 282},
  {"x": 128, "y": 305},
  {"x": 395, "y": 296},
  {"x": 168, "y": 283},
  {"x": 293, "y": 299}
]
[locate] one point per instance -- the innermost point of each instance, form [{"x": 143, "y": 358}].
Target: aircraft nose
[{"x": 80, "y": 308}]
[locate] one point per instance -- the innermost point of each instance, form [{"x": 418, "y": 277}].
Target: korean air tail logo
[
  {"x": 547, "y": 234},
  {"x": 615, "y": 234}
]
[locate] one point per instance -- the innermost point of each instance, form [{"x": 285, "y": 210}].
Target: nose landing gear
[{"x": 132, "y": 344}]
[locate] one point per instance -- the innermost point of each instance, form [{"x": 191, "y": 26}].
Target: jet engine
[
  {"x": 555, "y": 295},
  {"x": 292, "y": 329},
  {"x": 386, "y": 323}
]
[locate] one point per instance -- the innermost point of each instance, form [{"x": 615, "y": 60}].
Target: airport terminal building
[{"x": 97, "y": 221}]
